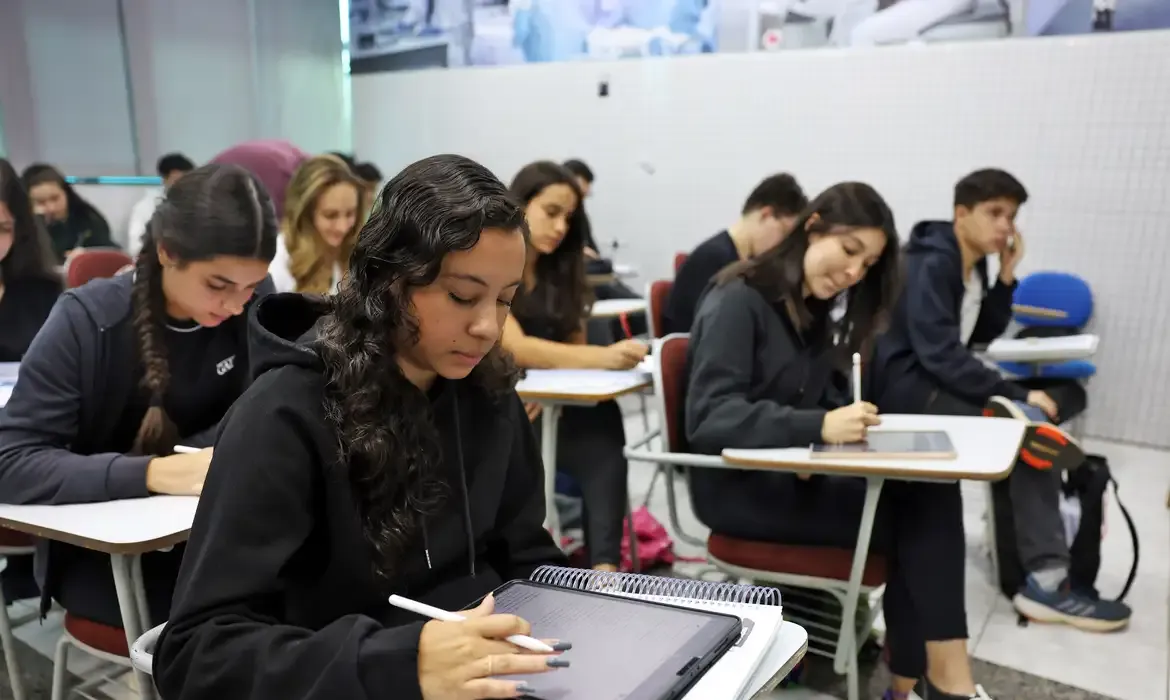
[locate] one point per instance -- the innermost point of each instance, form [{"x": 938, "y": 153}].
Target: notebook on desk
[{"x": 732, "y": 677}]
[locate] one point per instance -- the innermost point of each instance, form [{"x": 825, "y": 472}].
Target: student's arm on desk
[
  {"x": 719, "y": 414},
  {"x": 995, "y": 313},
  {"x": 537, "y": 353},
  {"x": 934, "y": 335},
  {"x": 42, "y": 419},
  {"x": 225, "y": 638},
  {"x": 521, "y": 544}
]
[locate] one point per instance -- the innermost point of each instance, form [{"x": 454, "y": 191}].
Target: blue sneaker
[{"x": 1067, "y": 607}]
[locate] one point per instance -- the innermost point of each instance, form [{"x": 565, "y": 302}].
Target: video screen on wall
[{"x": 412, "y": 34}]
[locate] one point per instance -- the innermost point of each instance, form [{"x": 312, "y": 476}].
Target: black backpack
[{"x": 1089, "y": 483}]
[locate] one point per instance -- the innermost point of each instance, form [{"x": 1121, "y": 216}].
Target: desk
[
  {"x": 1038, "y": 350},
  {"x": 624, "y": 271},
  {"x": 787, "y": 650},
  {"x": 554, "y": 389},
  {"x": 612, "y": 308},
  {"x": 125, "y": 530},
  {"x": 986, "y": 448}
]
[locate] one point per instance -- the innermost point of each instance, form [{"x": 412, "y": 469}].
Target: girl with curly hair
[{"x": 381, "y": 450}]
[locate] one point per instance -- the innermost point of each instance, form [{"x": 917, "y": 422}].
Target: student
[
  {"x": 381, "y": 450},
  {"x": 72, "y": 222},
  {"x": 128, "y": 367},
  {"x": 583, "y": 174},
  {"x": 170, "y": 168},
  {"x": 764, "y": 371},
  {"x": 29, "y": 281},
  {"x": 923, "y": 365},
  {"x": 767, "y": 216},
  {"x": 371, "y": 177},
  {"x": 325, "y": 206},
  {"x": 547, "y": 330}
]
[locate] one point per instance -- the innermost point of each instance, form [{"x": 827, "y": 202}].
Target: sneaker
[
  {"x": 912, "y": 696},
  {"x": 1065, "y": 606},
  {"x": 928, "y": 692},
  {"x": 1045, "y": 446}
]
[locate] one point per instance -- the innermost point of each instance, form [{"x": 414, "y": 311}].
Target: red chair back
[
  {"x": 94, "y": 264},
  {"x": 670, "y": 380},
  {"x": 658, "y": 296},
  {"x": 679, "y": 259}
]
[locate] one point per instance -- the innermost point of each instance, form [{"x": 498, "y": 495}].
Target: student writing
[
  {"x": 924, "y": 365},
  {"x": 325, "y": 207},
  {"x": 547, "y": 331},
  {"x": 764, "y": 371},
  {"x": 381, "y": 450},
  {"x": 29, "y": 281},
  {"x": 72, "y": 222},
  {"x": 767, "y": 216},
  {"x": 126, "y": 368}
]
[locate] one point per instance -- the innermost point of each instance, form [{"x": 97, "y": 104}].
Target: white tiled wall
[{"x": 678, "y": 144}]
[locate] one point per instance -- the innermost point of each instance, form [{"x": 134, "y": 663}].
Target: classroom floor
[{"x": 1060, "y": 663}]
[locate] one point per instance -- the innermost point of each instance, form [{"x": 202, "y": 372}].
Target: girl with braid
[{"x": 126, "y": 368}]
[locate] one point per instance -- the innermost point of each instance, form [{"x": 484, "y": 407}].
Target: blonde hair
[{"x": 310, "y": 260}]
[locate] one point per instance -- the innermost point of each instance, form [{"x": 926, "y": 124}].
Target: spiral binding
[{"x": 656, "y": 586}]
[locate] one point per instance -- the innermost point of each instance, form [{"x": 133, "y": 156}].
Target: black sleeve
[
  {"x": 99, "y": 231},
  {"x": 520, "y": 537},
  {"x": 225, "y": 638},
  {"x": 42, "y": 418},
  {"x": 719, "y": 412},
  {"x": 683, "y": 303},
  {"x": 935, "y": 337},
  {"x": 995, "y": 313}
]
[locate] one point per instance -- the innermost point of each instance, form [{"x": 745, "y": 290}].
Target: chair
[
  {"x": 1050, "y": 304},
  {"x": 94, "y": 263},
  {"x": 101, "y": 641},
  {"x": 801, "y": 571},
  {"x": 679, "y": 259},
  {"x": 142, "y": 652},
  {"x": 658, "y": 293}
]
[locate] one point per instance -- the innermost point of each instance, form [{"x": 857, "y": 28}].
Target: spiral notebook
[{"x": 734, "y": 676}]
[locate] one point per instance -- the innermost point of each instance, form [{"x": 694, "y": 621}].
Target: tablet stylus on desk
[
  {"x": 436, "y": 614},
  {"x": 184, "y": 450}
]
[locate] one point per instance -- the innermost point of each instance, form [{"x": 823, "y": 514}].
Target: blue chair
[{"x": 1051, "y": 304}]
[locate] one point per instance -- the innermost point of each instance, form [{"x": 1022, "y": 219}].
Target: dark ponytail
[{"x": 212, "y": 211}]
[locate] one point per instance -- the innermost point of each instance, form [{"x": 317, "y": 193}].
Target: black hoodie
[
  {"x": 277, "y": 597},
  {"x": 922, "y": 352}
]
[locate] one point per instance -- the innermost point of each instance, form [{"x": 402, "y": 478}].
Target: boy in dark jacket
[{"x": 923, "y": 364}]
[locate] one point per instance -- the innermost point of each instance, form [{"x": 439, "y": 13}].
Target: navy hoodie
[
  {"x": 277, "y": 597},
  {"x": 922, "y": 352}
]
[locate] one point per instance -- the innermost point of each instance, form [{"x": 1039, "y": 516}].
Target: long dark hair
[
  {"x": 31, "y": 256},
  {"x": 212, "y": 211},
  {"x": 778, "y": 273},
  {"x": 385, "y": 432},
  {"x": 78, "y": 207},
  {"x": 562, "y": 294}
]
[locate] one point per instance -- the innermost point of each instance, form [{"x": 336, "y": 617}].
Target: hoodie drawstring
[{"x": 467, "y": 526}]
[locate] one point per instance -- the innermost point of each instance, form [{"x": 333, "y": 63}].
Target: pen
[
  {"x": 856, "y": 377},
  {"x": 442, "y": 615},
  {"x": 184, "y": 450}
]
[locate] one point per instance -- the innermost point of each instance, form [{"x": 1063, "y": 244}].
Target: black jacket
[
  {"x": 753, "y": 381},
  {"x": 277, "y": 597},
  {"x": 922, "y": 351}
]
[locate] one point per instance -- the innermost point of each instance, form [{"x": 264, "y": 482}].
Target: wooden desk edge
[
  {"x": 73, "y": 538},
  {"x": 893, "y": 471},
  {"x": 584, "y": 398}
]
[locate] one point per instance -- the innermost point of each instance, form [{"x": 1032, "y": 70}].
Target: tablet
[
  {"x": 623, "y": 648},
  {"x": 891, "y": 444}
]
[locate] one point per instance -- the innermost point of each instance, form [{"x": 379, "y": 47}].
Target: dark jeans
[
  {"x": 590, "y": 440},
  {"x": 1034, "y": 493},
  {"x": 918, "y": 527},
  {"x": 86, "y": 585}
]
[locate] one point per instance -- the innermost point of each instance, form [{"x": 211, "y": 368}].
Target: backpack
[{"x": 1086, "y": 485}]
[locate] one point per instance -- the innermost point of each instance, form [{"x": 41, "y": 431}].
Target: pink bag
[{"x": 655, "y": 548}]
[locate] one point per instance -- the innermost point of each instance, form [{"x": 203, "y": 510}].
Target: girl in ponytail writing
[{"x": 126, "y": 368}]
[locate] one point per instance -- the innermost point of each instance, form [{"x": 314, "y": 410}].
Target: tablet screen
[
  {"x": 922, "y": 443},
  {"x": 622, "y": 648}
]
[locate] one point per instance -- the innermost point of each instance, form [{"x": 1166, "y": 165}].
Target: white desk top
[
  {"x": 1068, "y": 347},
  {"x": 986, "y": 447},
  {"x": 580, "y": 385},
  {"x": 624, "y": 271},
  {"x": 130, "y": 526},
  {"x": 609, "y": 308},
  {"x": 786, "y": 651}
]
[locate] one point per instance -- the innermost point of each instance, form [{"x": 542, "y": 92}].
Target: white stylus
[
  {"x": 856, "y": 377},
  {"x": 434, "y": 613},
  {"x": 184, "y": 450}
]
